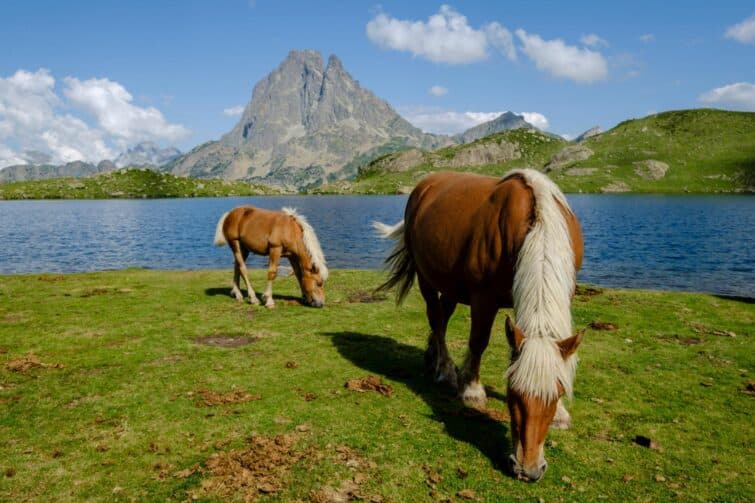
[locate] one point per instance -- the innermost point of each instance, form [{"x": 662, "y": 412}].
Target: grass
[
  {"x": 134, "y": 183},
  {"x": 121, "y": 418}
]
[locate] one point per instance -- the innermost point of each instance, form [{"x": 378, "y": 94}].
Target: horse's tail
[
  {"x": 400, "y": 263},
  {"x": 219, "y": 236}
]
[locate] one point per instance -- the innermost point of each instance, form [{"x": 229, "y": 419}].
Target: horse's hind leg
[
  {"x": 272, "y": 272},
  {"x": 239, "y": 257},
  {"x": 236, "y": 290},
  {"x": 438, "y": 362},
  {"x": 484, "y": 311}
]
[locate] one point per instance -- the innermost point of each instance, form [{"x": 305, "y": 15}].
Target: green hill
[
  {"x": 699, "y": 151},
  {"x": 135, "y": 183}
]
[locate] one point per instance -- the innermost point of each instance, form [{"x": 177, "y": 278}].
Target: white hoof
[
  {"x": 270, "y": 304},
  {"x": 253, "y": 300},
  {"x": 474, "y": 395},
  {"x": 236, "y": 294}
]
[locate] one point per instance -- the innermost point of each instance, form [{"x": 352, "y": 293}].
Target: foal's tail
[
  {"x": 401, "y": 266},
  {"x": 219, "y": 236}
]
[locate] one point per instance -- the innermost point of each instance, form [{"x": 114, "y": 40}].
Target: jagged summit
[
  {"x": 504, "y": 122},
  {"x": 304, "y": 123}
]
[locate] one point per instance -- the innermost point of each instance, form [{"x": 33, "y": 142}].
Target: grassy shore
[{"x": 136, "y": 385}]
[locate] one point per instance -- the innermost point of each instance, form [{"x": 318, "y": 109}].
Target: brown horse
[
  {"x": 493, "y": 243},
  {"x": 276, "y": 234}
]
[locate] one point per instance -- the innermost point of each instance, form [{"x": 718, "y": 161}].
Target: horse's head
[
  {"x": 540, "y": 374},
  {"x": 312, "y": 283}
]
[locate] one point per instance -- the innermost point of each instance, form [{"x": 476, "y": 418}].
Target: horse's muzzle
[
  {"x": 315, "y": 302},
  {"x": 524, "y": 474}
]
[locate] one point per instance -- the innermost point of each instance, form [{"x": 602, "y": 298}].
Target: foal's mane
[
  {"x": 543, "y": 284},
  {"x": 311, "y": 243}
]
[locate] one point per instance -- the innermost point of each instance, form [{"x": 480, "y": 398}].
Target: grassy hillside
[
  {"x": 153, "y": 385},
  {"x": 706, "y": 151},
  {"x": 701, "y": 151},
  {"x": 129, "y": 184}
]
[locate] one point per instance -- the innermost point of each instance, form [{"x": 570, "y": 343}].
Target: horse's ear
[
  {"x": 570, "y": 345},
  {"x": 513, "y": 334}
]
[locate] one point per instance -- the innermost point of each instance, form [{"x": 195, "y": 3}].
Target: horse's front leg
[
  {"x": 272, "y": 271},
  {"x": 484, "y": 310}
]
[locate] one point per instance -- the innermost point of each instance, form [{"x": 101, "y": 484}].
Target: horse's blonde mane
[
  {"x": 543, "y": 284},
  {"x": 311, "y": 243}
]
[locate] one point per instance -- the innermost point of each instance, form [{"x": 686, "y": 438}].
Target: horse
[
  {"x": 276, "y": 234},
  {"x": 496, "y": 243}
]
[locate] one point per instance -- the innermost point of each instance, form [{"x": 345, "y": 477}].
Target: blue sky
[{"x": 89, "y": 79}]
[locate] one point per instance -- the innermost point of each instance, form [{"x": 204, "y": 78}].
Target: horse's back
[
  {"x": 464, "y": 231},
  {"x": 257, "y": 228}
]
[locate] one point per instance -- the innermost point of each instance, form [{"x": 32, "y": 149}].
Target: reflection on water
[{"x": 700, "y": 243}]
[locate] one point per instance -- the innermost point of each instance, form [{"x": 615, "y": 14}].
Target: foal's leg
[
  {"x": 439, "y": 311},
  {"x": 484, "y": 311},
  {"x": 562, "y": 419},
  {"x": 236, "y": 290},
  {"x": 240, "y": 257},
  {"x": 272, "y": 272}
]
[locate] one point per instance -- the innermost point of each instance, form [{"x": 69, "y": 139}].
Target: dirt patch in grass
[
  {"x": 225, "y": 341},
  {"x": 750, "y": 388},
  {"x": 208, "y": 398},
  {"x": 51, "y": 278},
  {"x": 369, "y": 383},
  {"x": 93, "y": 292},
  {"x": 586, "y": 292},
  {"x": 365, "y": 297},
  {"x": 260, "y": 468},
  {"x": 3, "y": 350},
  {"x": 603, "y": 325},
  {"x": 701, "y": 329},
  {"x": 486, "y": 415},
  {"x": 14, "y": 318},
  {"x": 30, "y": 362}
]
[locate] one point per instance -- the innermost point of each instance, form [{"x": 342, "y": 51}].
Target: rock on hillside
[
  {"x": 304, "y": 122},
  {"x": 594, "y": 131},
  {"x": 568, "y": 155}
]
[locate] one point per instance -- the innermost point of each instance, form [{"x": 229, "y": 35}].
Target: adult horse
[
  {"x": 492, "y": 243},
  {"x": 276, "y": 234}
]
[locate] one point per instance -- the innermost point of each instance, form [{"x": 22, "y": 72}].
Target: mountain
[
  {"x": 698, "y": 151},
  {"x": 504, "y": 122},
  {"x": 593, "y": 131},
  {"x": 305, "y": 123},
  {"x": 146, "y": 153},
  {"x": 75, "y": 169}
]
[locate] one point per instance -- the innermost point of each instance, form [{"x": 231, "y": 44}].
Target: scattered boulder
[
  {"x": 615, "y": 187},
  {"x": 580, "y": 171},
  {"x": 402, "y": 161},
  {"x": 568, "y": 155},
  {"x": 480, "y": 154},
  {"x": 650, "y": 169}
]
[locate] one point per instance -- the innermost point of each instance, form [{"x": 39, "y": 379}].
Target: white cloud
[
  {"x": 743, "y": 32},
  {"x": 739, "y": 96},
  {"x": 445, "y": 37},
  {"x": 439, "y": 121},
  {"x": 438, "y": 90},
  {"x": 233, "y": 111},
  {"x": 647, "y": 38},
  {"x": 583, "y": 66},
  {"x": 538, "y": 120},
  {"x": 111, "y": 104},
  {"x": 593, "y": 40},
  {"x": 34, "y": 118}
]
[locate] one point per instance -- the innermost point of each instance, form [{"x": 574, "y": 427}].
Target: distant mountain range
[{"x": 145, "y": 154}]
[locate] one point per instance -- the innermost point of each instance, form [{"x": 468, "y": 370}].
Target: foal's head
[
  {"x": 541, "y": 372},
  {"x": 311, "y": 281}
]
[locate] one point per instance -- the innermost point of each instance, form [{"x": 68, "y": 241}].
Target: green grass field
[{"x": 115, "y": 386}]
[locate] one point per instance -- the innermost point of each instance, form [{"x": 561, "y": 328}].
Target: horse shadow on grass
[
  {"x": 404, "y": 363},
  {"x": 226, "y": 292}
]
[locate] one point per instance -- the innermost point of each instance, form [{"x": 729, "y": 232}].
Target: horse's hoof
[
  {"x": 447, "y": 375},
  {"x": 561, "y": 424},
  {"x": 270, "y": 305},
  {"x": 254, "y": 301},
  {"x": 474, "y": 395}
]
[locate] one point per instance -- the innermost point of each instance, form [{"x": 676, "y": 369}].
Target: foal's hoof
[{"x": 474, "y": 395}]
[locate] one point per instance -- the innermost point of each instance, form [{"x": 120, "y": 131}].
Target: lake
[{"x": 692, "y": 243}]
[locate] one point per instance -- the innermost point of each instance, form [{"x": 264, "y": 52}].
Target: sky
[{"x": 88, "y": 79}]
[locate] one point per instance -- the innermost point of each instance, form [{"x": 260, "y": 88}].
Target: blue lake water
[{"x": 693, "y": 243}]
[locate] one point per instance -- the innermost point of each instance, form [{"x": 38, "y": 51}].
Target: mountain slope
[
  {"x": 699, "y": 151},
  {"x": 75, "y": 169},
  {"x": 303, "y": 123},
  {"x": 504, "y": 122},
  {"x": 146, "y": 153}
]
